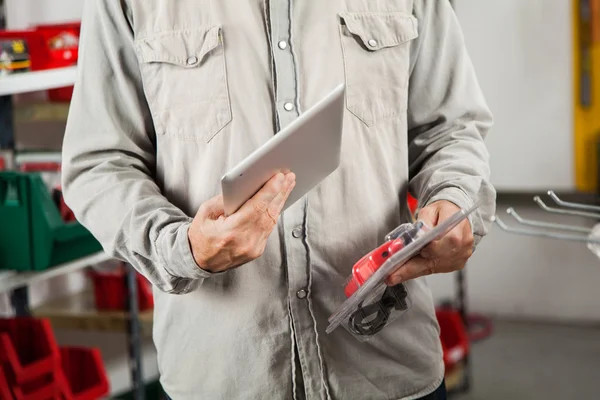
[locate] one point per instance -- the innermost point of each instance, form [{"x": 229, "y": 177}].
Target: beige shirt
[{"x": 173, "y": 93}]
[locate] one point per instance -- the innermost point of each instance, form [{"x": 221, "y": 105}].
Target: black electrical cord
[{"x": 369, "y": 320}]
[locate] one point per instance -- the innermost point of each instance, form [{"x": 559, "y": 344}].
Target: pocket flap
[
  {"x": 185, "y": 48},
  {"x": 380, "y": 30}
]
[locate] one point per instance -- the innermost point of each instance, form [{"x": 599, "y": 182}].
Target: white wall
[
  {"x": 522, "y": 52},
  {"x": 22, "y": 14}
]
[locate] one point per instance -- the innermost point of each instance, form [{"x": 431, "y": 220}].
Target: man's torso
[{"x": 217, "y": 76}]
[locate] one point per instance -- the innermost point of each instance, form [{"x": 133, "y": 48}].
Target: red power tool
[{"x": 371, "y": 262}]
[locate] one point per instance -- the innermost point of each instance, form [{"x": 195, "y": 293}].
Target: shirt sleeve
[
  {"x": 109, "y": 157},
  {"x": 448, "y": 119}
]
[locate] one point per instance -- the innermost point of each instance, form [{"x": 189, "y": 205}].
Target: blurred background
[{"x": 522, "y": 321}]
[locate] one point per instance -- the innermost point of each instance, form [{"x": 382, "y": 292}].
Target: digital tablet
[{"x": 310, "y": 147}]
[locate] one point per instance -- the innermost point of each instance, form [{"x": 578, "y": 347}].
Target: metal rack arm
[
  {"x": 546, "y": 234},
  {"x": 542, "y": 224},
  {"x": 575, "y": 206},
  {"x": 540, "y": 203}
]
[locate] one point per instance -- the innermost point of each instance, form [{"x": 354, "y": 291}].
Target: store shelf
[
  {"x": 33, "y": 157},
  {"x": 78, "y": 312},
  {"x": 10, "y": 280},
  {"x": 37, "y": 80}
]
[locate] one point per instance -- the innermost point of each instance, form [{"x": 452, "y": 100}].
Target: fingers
[
  {"x": 268, "y": 202},
  {"x": 415, "y": 268},
  {"x": 420, "y": 266},
  {"x": 278, "y": 202},
  {"x": 270, "y": 189}
]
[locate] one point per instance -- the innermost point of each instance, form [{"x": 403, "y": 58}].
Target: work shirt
[{"x": 172, "y": 94}]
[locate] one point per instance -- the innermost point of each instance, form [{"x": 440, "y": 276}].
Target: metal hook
[
  {"x": 542, "y": 224},
  {"x": 568, "y": 204},
  {"x": 540, "y": 203},
  {"x": 546, "y": 234}
]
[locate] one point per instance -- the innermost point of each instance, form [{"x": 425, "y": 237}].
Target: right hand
[{"x": 219, "y": 243}]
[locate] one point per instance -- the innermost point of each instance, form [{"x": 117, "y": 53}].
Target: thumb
[{"x": 212, "y": 208}]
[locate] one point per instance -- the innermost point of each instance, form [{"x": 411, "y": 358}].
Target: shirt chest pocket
[
  {"x": 185, "y": 82},
  {"x": 376, "y": 51}
]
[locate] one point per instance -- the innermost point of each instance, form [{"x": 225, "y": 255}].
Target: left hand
[{"x": 448, "y": 254}]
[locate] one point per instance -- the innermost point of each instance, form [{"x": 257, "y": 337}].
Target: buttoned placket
[{"x": 294, "y": 219}]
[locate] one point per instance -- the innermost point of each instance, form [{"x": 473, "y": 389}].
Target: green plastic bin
[{"x": 33, "y": 236}]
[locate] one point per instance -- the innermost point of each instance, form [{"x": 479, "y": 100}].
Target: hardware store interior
[{"x": 520, "y": 321}]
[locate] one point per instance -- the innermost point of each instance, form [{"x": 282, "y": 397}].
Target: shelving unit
[
  {"x": 75, "y": 312},
  {"x": 11, "y": 280},
  {"x": 16, "y": 284},
  {"x": 37, "y": 80},
  {"x": 78, "y": 312}
]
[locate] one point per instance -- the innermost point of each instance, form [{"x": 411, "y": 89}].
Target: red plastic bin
[
  {"x": 83, "y": 376},
  {"x": 61, "y": 95},
  {"x": 28, "y": 349},
  {"x": 110, "y": 290},
  {"x": 454, "y": 337},
  {"x": 61, "y": 42},
  {"x": 61, "y": 53},
  {"x": 42, "y": 388},
  {"x": 5, "y": 393}
]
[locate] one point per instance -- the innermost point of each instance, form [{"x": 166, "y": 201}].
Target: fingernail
[{"x": 289, "y": 180}]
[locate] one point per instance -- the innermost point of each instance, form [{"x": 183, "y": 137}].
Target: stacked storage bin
[
  {"x": 32, "y": 367},
  {"x": 110, "y": 289},
  {"x": 34, "y": 235}
]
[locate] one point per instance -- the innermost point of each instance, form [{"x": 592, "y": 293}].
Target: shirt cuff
[
  {"x": 459, "y": 198},
  {"x": 176, "y": 254}
]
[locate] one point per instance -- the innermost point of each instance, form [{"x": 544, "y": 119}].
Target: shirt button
[
  {"x": 297, "y": 232},
  {"x": 301, "y": 294},
  {"x": 192, "y": 60},
  {"x": 282, "y": 44},
  {"x": 288, "y": 106},
  {"x": 372, "y": 42}
]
